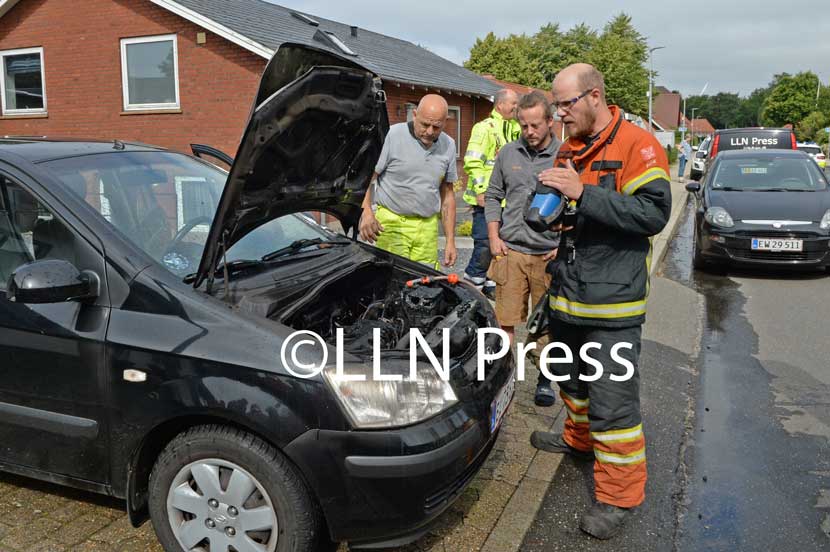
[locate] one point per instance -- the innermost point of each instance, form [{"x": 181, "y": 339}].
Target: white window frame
[
  {"x": 457, "y": 111},
  {"x": 20, "y": 51},
  {"x": 125, "y": 75}
]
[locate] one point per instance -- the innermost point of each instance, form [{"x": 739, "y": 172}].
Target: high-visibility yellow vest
[{"x": 487, "y": 138}]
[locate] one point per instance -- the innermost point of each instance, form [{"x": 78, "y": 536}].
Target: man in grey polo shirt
[
  {"x": 414, "y": 183},
  {"x": 521, "y": 254}
]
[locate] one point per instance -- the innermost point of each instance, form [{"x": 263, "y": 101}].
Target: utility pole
[
  {"x": 692, "y": 131},
  {"x": 683, "y": 132},
  {"x": 651, "y": 84}
]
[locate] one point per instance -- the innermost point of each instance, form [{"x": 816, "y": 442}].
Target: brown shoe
[
  {"x": 603, "y": 521},
  {"x": 553, "y": 442}
]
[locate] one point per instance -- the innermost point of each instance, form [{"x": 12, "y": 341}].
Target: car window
[
  {"x": 30, "y": 232},
  {"x": 768, "y": 173},
  {"x": 165, "y": 202},
  {"x": 812, "y": 150}
]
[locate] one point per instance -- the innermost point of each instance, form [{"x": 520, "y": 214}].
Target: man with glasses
[{"x": 616, "y": 175}]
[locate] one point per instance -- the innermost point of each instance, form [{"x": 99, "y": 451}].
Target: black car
[
  {"x": 762, "y": 207},
  {"x": 752, "y": 138},
  {"x": 149, "y": 304}
]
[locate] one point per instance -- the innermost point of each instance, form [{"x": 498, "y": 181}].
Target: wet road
[{"x": 759, "y": 458}]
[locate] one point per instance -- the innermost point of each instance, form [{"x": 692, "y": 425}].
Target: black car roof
[{"x": 39, "y": 149}]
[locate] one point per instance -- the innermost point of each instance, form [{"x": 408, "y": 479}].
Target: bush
[
  {"x": 672, "y": 154},
  {"x": 464, "y": 229}
]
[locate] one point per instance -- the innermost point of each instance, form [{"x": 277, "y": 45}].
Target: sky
[{"x": 733, "y": 45}]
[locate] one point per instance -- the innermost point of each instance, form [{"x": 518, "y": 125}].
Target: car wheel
[
  {"x": 218, "y": 489},
  {"x": 698, "y": 262}
]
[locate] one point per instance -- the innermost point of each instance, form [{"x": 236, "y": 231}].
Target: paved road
[{"x": 760, "y": 457}]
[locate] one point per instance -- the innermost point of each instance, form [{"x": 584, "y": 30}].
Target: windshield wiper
[
  {"x": 780, "y": 190},
  {"x": 727, "y": 189},
  {"x": 301, "y": 244},
  {"x": 237, "y": 265}
]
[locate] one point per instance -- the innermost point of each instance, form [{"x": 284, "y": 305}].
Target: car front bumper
[
  {"x": 735, "y": 248},
  {"x": 384, "y": 488}
]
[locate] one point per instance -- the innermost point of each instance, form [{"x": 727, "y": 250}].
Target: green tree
[
  {"x": 620, "y": 53},
  {"x": 547, "y": 54},
  {"x": 811, "y": 128},
  {"x": 791, "y": 100},
  {"x": 506, "y": 58}
]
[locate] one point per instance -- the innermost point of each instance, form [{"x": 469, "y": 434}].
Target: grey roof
[{"x": 270, "y": 25}]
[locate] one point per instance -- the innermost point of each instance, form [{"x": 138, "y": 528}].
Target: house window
[
  {"x": 22, "y": 85},
  {"x": 452, "y": 126},
  {"x": 150, "y": 72}
]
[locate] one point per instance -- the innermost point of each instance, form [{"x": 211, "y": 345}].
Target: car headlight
[
  {"x": 376, "y": 404},
  {"x": 825, "y": 220},
  {"x": 717, "y": 216}
]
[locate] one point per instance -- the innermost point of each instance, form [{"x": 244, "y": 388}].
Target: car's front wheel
[{"x": 219, "y": 489}]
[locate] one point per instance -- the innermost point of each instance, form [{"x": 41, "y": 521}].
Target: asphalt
[{"x": 759, "y": 462}]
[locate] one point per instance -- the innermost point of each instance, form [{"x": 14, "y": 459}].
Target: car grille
[
  {"x": 779, "y": 255},
  {"x": 775, "y": 234},
  {"x": 449, "y": 492}
]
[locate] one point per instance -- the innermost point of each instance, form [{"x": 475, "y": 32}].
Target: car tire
[
  {"x": 259, "y": 495},
  {"x": 694, "y": 175}
]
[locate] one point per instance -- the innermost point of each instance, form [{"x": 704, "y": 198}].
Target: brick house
[
  {"x": 173, "y": 73},
  {"x": 666, "y": 113}
]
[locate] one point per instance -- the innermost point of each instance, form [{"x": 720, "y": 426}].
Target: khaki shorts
[{"x": 518, "y": 276}]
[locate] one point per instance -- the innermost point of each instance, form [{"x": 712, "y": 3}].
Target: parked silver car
[{"x": 699, "y": 159}]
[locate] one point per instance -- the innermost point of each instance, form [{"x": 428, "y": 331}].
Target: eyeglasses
[{"x": 567, "y": 105}]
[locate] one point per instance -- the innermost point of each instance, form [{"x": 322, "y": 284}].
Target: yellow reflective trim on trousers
[
  {"x": 577, "y": 418},
  {"x": 639, "y": 181},
  {"x": 615, "y": 435},
  {"x": 579, "y": 403},
  {"x": 609, "y": 310},
  {"x": 635, "y": 457}
]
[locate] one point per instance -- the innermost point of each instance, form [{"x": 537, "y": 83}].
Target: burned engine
[{"x": 371, "y": 298}]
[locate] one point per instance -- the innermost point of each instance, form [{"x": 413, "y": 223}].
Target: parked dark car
[
  {"x": 148, "y": 298},
  {"x": 754, "y": 138},
  {"x": 762, "y": 207}
]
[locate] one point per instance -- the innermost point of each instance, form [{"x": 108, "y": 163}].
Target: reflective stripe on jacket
[
  {"x": 487, "y": 138},
  {"x": 626, "y": 200}
]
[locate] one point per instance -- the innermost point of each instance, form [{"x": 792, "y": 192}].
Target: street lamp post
[
  {"x": 692, "y": 130},
  {"x": 651, "y": 84}
]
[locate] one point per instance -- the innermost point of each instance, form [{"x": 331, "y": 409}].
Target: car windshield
[
  {"x": 164, "y": 203},
  {"x": 812, "y": 150},
  {"x": 768, "y": 173}
]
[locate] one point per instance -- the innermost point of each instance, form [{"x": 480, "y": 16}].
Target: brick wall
[
  {"x": 82, "y": 65},
  {"x": 217, "y": 80}
]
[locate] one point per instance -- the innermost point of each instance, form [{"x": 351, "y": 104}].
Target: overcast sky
[{"x": 734, "y": 45}]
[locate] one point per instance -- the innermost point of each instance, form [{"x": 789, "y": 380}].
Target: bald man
[
  {"x": 414, "y": 184},
  {"x": 616, "y": 174}
]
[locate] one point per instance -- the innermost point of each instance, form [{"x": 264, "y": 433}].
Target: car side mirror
[
  {"x": 693, "y": 187},
  {"x": 51, "y": 281}
]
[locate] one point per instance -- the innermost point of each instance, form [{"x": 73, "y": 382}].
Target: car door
[{"x": 52, "y": 379}]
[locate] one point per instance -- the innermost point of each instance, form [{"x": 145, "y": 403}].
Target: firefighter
[
  {"x": 487, "y": 138},
  {"x": 617, "y": 175}
]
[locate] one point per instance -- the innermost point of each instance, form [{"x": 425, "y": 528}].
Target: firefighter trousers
[{"x": 604, "y": 415}]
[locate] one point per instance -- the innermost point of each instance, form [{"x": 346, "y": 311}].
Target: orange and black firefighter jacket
[{"x": 601, "y": 273}]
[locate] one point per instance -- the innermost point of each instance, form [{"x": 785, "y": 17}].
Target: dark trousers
[{"x": 480, "y": 259}]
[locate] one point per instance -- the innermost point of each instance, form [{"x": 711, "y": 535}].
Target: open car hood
[{"x": 312, "y": 140}]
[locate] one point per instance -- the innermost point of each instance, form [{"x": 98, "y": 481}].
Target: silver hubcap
[{"x": 216, "y": 506}]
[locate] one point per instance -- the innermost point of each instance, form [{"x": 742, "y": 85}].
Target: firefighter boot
[
  {"x": 553, "y": 442},
  {"x": 603, "y": 521}
]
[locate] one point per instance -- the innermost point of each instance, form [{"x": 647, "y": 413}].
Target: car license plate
[
  {"x": 769, "y": 244},
  {"x": 499, "y": 405}
]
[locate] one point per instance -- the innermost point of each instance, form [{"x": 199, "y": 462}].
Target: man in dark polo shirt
[{"x": 414, "y": 184}]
